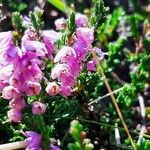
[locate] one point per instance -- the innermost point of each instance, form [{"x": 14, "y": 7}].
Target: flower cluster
[
  {"x": 22, "y": 65},
  {"x": 69, "y": 59}
]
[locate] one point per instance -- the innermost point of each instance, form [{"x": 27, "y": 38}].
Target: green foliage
[
  {"x": 81, "y": 143},
  {"x": 71, "y": 26},
  {"x": 59, "y": 4},
  {"x": 134, "y": 21},
  {"x": 144, "y": 145},
  {"x": 115, "y": 52},
  {"x": 106, "y": 30},
  {"x": 18, "y": 22},
  {"x": 14, "y": 5},
  {"x": 37, "y": 123},
  {"x": 36, "y": 19},
  {"x": 99, "y": 13}
]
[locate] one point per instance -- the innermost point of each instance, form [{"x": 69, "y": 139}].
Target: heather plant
[{"x": 82, "y": 86}]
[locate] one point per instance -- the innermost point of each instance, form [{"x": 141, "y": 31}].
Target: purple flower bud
[
  {"x": 33, "y": 88},
  {"x": 38, "y": 108},
  {"x": 81, "y": 20},
  {"x": 60, "y": 24},
  {"x": 10, "y": 92},
  {"x": 33, "y": 140},
  {"x": 52, "y": 88},
  {"x": 17, "y": 103},
  {"x": 91, "y": 65},
  {"x": 14, "y": 115}
]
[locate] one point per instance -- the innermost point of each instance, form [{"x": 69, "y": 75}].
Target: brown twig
[{"x": 100, "y": 69}]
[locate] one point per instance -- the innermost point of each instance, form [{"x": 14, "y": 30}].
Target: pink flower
[
  {"x": 81, "y": 20},
  {"x": 33, "y": 88},
  {"x": 17, "y": 103},
  {"x": 5, "y": 73},
  {"x": 52, "y": 88},
  {"x": 35, "y": 46},
  {"x": 58, "y": 70},
  {"x": 85, "y": 34},
  {"x": 14, "y": 115},
  {"x": 65, "y": 90},
  {"x": 6, "y": 40},
  {"x": 38, "y": 108},
  {"x": 33, "y": 140},
  {"x": 74, "y": 66},
  {"x": 81, "y": 49},
  {"x": 63, "y": 53},
  {"x": 54, "y": 147},
  {"x": 91, "y": 65},
  {"x": 60, "y": 24},
  {"x": 67, "y": 79},
  {"x": 99, "y": 52},
  {"x": 10, "y": 92}
]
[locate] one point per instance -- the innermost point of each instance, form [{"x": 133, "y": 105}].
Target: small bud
[
  {"x": 14, "y": 115},
  {"x": 10, "y": 92},
  {"x": 52, "y": 88},
  {"x": 33, "y": 88},
  {"x": 17, "y": 103},
  {"x": 38, "y": 108},
  {"x": 60, "y": 24}
]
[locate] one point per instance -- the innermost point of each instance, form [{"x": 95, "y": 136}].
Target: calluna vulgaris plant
[{"x": 50, "y": 77}]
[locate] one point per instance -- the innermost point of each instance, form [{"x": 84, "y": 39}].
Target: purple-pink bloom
[
  {"x": 91, "y": 65},
  {"x": 59, "y": 70},
  {"x": 54, "y": 147},
  {"x": 10, "y": 92},
  {"x": 49, "y": 38},
  {"x": 74, "y": 66},
  {"x": 85, "y": 34},
  {"x": 99, "y": 52},
  {"x": 81, "y": 49},
  {"x": 52, "y": 88},
  {"x": 81, "y": 20},
  {"x": 33, "y": 140},
  {"x": 33, "y": 88},
  {"x": 64, "y": 53},
  {"x": 14, "y": 115},
  {"x": 5, "y": 73},
  {"x": 38, "y": 108},
  {"x": 60, "y": 24},
  {"x": 17, "y": 103},
  {"x": 65, "y": 90},
  {"x": 35, "y": 46}
]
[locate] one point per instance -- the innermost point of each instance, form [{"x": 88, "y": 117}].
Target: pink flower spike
[
  {"x": 10, "y": 92},
  {"x": 14, "y": 115},
  {"x": 52, "y": 88},
  {"x": 33, "y": 88},
  {"x": 81, "y": 20},
  {"x": 38, "y": 108},
  {"x": 17, "y": 103}
]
